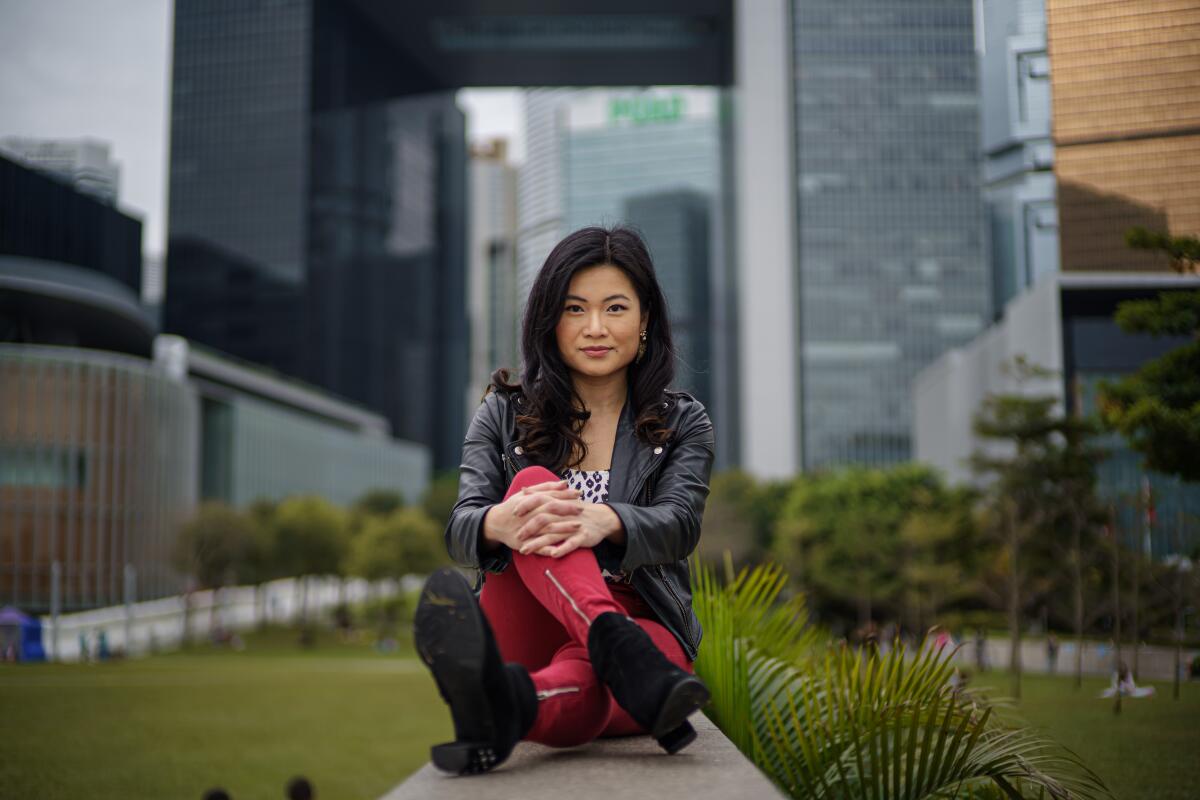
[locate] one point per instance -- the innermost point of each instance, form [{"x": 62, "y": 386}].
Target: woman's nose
[{"x": 595, "y": 325}]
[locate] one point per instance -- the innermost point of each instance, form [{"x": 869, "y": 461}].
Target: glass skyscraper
[
  {"x": 890, "y": 236},
  {"x": 651, "y": 158},
  {"x": 317, "y": 208}
]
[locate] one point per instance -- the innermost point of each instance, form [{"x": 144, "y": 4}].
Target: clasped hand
[{"x": 550, "y": 519}]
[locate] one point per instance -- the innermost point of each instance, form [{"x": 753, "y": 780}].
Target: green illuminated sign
[{"x": 645, "y": 109}]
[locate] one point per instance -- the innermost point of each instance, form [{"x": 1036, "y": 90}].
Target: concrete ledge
[{"x": 628, "y": 767}]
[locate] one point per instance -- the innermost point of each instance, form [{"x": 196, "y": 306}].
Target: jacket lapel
[{"x": 631, "y": 458}]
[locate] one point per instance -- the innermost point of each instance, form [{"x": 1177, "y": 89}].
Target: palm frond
[{"x": 825, "y": 720}]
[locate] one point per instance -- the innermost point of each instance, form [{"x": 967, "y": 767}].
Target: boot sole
[
  {"x": 671, "y": 727},
  {"x": 450, "y": 639}
]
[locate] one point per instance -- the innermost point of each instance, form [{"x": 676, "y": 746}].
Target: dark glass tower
[
  {"x": 676, "y": 228},
  {"x": 317, "y": 208}
]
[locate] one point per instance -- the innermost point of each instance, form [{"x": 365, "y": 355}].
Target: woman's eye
[
  {"x": 617, "y": 306},
  {"x": 573, "y": 308}
]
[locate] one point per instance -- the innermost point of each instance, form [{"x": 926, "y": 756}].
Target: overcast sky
[{"x": 99, "y": 68}]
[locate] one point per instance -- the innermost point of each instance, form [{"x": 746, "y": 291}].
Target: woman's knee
[{"x": 531, "y": 476}]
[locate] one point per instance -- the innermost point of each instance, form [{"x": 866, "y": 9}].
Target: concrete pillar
[{"x": 766, "y": 238}]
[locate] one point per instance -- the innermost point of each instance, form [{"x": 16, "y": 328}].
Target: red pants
[{"x": 540, "y": 609}]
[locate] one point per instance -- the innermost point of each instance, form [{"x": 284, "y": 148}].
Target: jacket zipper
[{"x": 683, "y": 615}]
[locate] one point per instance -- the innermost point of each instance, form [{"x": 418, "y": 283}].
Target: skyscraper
[
  {"x": 316, "y": 208},
  {"x": 890, "y": 238},
  {"x": 1018, "y": 152},
  {"x": 492, "y": 292},
  {"x": 650, "y": 157}
]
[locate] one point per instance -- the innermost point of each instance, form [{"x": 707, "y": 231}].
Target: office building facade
[
  {"x": 891, "y": 270},
  {"x": 1065, "y": 324},
  {"x": 1018, "y": 152},
  {"x": 316, "y": 209},
  {"x": 492, "y": 294},
  {"x": 43, "y": 217},
  {"x": 651, "y": 158},
  {"x": 86, "y": 165},
  {"x": 1126, "y": 127}
]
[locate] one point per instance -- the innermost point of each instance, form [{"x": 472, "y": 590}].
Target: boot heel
[
  {"x": 677, "y": 739},
  {"x": 688, "y": 695},
  {"x": 464, "y": 758}
]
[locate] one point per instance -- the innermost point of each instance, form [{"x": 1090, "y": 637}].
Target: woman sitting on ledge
[{"x": 580, "y": 498}]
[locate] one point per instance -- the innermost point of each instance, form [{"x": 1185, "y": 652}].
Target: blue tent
[{"x": 20, "y": 636}]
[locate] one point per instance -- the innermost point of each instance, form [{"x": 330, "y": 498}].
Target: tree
[
  {"x": 310, "y": 538},
  {"x": 1157, "y": 408},
  {"x": 1183, "y": 251},
  {"x": 378, "y": 502},
  {"x": 1073, "y": 470},
  {"x": 212, "y": 544},
  {"x": 405, "y": 542},
  {"x": 441, "y": 496},
  {"x": 261, "y": 562},
  {"x": 940, "y": 552},
  {"x": 841, "y": 533},
  {"x": 209, "y": 548},
  {"x": 1025, "y": 494},
  {"x": 740, "y": 516}
]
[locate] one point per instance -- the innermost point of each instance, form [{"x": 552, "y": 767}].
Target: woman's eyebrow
[{"x": 605, "y": 300}]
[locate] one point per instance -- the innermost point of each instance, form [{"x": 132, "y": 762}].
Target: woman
[{"x": 580, "y": 498}]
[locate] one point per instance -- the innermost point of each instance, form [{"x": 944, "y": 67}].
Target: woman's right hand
[{"x": 504, "y": 520}]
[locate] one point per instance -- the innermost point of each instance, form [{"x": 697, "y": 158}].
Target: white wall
[
  {"x": 947, "y": 393},
  {"x": 157, "y": 625}
]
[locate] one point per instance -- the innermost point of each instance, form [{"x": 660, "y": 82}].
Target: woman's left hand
[{"x": 595, "y": 523}]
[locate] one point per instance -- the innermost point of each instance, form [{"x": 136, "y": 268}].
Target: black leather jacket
[{"x": 658, "y": 492}]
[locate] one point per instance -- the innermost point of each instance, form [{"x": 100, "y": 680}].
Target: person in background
[{"x": 300, "y": 788}]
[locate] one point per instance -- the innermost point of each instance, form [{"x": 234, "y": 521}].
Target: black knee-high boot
[
  {"x": 657, "y": 694},
  {"x": 493, "y": 704}
]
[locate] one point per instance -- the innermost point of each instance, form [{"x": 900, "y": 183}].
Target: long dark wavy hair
[{"x": 549, "y": 421}]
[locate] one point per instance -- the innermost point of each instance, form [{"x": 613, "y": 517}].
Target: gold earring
[{"x": 641, "y": 348}]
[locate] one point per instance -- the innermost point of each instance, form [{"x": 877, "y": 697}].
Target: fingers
[
  {"x": 548, "y": 486},
  {"x": 553, "y": 533},
  {"x": 563, "y": 548},
  {"x": 545, "y": 522},
  {"x": 534, "y": 501}
]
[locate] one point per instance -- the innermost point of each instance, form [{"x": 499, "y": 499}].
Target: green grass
[
  {"x": 1152, "y": 750},
  {"x": 354, "y": 721}
]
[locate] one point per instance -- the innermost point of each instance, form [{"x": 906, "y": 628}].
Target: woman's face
[{"x": 601, "y": 322}]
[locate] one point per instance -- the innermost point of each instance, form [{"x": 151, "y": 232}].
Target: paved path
[{"x": 629, "y": 767}]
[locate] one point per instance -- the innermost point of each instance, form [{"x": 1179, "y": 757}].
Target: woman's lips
[{"x": 597, "y": 352}]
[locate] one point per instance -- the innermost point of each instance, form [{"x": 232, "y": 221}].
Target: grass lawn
[
  {"x": 354, "y": 721},
  {"x": 1152, "y": 750}
]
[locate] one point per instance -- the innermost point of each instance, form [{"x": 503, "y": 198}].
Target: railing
[{"x": 152, "y": 626}]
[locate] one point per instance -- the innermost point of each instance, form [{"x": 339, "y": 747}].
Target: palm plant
[{"x": 824, "y": 720}]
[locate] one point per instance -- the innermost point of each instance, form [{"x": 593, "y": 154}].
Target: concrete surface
[{"x": 628, "y": 767}]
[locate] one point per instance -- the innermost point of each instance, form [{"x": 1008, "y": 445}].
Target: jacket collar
[{"x": 632, "y": 458}]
